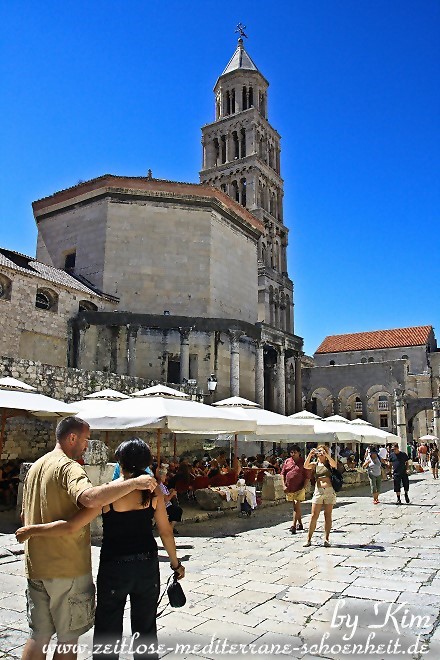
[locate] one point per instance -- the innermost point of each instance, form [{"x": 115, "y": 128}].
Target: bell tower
[{"x": 241, "y": 156}]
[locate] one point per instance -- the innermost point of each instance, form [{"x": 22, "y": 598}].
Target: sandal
[
  {"x": 307, "y": 545},
  {"x": 300, "y": 527},
  {"x": 327, "y": 544},
  {"x": 293, "y": 529}
]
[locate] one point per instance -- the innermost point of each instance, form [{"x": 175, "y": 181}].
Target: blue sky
[{"x": 94, "y": 87}]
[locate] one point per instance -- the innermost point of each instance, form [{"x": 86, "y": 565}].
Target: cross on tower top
[{"x": 241, "y": 30}]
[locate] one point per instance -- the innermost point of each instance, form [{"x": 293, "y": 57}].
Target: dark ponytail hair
[{"x": 134, "y": 456}]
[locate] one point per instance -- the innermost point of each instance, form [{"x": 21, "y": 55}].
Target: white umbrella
[
  {"x": 372, "y": 434},
  {"x": 17, "y": 397},
  {"x": 98, "y": 404},
  {"x": 268, "y": 423},
  {"x": 428, "y": 438},
  {"x": 304, "y": 414},
  {"x": 162, "y": 390},
  {"x": 173, "y": 414}
]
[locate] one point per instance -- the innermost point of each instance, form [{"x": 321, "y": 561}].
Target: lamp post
[{"x": 212, "y": 386}]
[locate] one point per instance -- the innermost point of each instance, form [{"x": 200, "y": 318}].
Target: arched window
[
  {"x": 371, "y": 359},
  {"x": 332, "y": 363},
  {"x": 243, "y": 191},
  {"x": 236, "y": 144},
  {"x": 228, "y": 103},
  {"x": 358, "y": 405},
  {"x": 244, "y": 98},
  {"x": 46, "y": 299},
  {"x": 234, "y": 191},
  {"x": 243, "y": 143},
  {"x": 405, "y": 357},
  {"x": 363, "y": 361},
  {"x": 251, "y": 97},
  {"x": 223, "y": 148},
  {"x": 233, "y": 101},
  {"x": 5, "y": 287},
  {"x": 217, "y": 151},
  {"x": 87, "y": 306}
]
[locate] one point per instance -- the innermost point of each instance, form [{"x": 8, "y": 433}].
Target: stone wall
[{"x": 38, "y": 334}]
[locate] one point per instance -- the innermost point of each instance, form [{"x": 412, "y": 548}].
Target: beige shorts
[
  {"x": 297, "y": 496},
  {"x": 65, "y": 606},
  {"x": 324, "y": 496}
]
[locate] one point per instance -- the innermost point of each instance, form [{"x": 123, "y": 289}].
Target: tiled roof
[
  {"x": 150, "y": 185},
  {"x": 363, "y": 341},
  {"x": 24, "y": 264}
]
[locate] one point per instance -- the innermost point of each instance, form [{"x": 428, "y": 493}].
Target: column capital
[
  {"x": 184, "y": 334},
  {"x": 235, "y": 335}
]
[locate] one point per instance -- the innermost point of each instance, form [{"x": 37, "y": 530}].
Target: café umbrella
[
  {"x": 19, "y": 399},
  {"x": 169, "y": 413}
]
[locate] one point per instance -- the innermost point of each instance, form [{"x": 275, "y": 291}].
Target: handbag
[
  {"x": 337, "y": 479},
  {"x": 176, "y": 594}
]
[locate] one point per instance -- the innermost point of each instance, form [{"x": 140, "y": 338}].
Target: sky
[{"x": 88, "y": 88}]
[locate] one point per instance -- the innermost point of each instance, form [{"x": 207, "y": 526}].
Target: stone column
[
  {"x": 132, "y": 331},
  {"x": 184, "y": 353},
  {"x": 298, "y": 384},
  {"x": 436, "y": 409},
  {"x": 400, "y": 418},
  {"x": 259, "y": 373},
  {"x": 114, "y": 337},
  {"x": 234, "y": 336},
  {"x": 281, "y": 385},
  {"x": 81, "y": 346}
]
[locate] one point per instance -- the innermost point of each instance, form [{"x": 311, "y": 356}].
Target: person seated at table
[
  {"x": 214, "y": 469},
  {"x": 198, "y": 469},
  {"x": 174, "y": 511},
  {"x": 183, "y": 474}
]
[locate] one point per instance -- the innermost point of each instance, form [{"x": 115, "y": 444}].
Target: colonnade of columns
[{"x": 278, "y": 378}]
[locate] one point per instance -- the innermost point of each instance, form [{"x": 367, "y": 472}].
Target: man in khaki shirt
[{"x": 61, "y": 593}]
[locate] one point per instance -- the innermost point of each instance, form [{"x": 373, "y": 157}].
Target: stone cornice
[{"x": 144, "y": 189}]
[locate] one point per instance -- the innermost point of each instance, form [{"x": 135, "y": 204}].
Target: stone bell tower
[{"x": 241, "y": 156}]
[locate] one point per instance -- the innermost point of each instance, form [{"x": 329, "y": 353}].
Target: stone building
[
  {"x": 391, "y": 378},
  {"x": 36, "y": 303}
]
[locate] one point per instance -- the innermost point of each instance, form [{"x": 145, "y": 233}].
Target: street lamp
[{"x": 212, "y": 386}]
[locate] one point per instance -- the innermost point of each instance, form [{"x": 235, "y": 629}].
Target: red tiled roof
[
  {"x": 148, "y": 184},
  {"x": 363, "y": 341}
]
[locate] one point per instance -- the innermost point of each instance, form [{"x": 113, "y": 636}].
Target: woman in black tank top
[{"x": 129, "y": 564}]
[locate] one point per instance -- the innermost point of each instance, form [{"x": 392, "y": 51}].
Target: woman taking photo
[
  {"x": 129, "y": 564},
  {"x": 324, "y": 495}
]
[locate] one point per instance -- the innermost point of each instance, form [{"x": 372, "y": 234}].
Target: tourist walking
[
  {"x": 423, "y": 455},
  {"x": 60, "y": 592},
  {"x": 324, "y": 494},
  {"x": 129, "y": 561},
  {"x": 434, "y": 462},
  {"x": 373, "y": 465},
  {"x": 399, "y": 463},
  {"x": 295, "y": 481}
]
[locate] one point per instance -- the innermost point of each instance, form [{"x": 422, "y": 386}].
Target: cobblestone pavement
[{"x": 250, "y": 582}]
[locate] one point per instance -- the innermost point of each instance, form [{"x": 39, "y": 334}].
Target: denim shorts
[{"x": 65, "y": 606}]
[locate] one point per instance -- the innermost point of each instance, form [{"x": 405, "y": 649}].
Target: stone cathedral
[{"x": 169, "y": 281}]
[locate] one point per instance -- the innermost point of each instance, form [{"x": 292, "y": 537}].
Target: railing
[{"x": 383, "y": 405}]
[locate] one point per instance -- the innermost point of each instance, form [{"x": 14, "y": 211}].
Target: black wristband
[{"x": 177, "y": 567}]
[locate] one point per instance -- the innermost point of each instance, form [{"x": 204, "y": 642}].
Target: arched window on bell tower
[
  {"x": 243, "y": 191},
  {"x": 243, "y": 142},
  {"x": 223, "y": 149},
  {"x": 235, "y": 191},
  {"x": 233, "y": 101},
  {"x": 251, "y": 97},
  {"x": 244, "y": 98},
  {"x": 236, "y": 145},
  {"x": 216, "y": 151}
]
